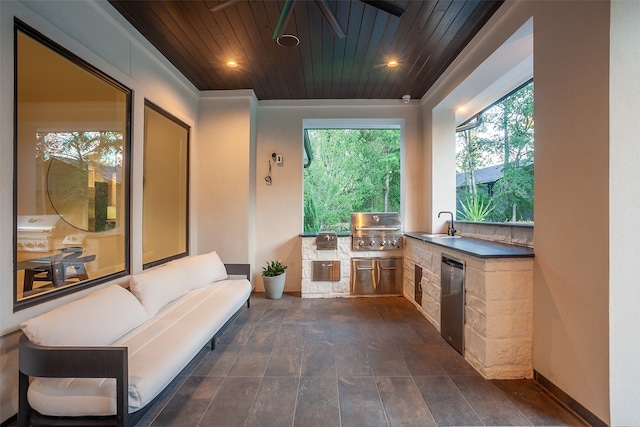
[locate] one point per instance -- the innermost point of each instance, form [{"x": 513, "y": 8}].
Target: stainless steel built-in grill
[
  {"x": 379, "y": 275},
  {"x": 376, "y": 231}
]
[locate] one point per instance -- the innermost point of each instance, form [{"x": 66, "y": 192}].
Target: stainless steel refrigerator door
[{"x": 452, "y": 302}]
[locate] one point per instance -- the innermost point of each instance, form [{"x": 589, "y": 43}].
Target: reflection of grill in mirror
[{"x": 35, "y": 232}]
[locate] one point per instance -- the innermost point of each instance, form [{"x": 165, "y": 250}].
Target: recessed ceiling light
[
  {"x": 392, "y": 63},
  {"x": 232, "y": 64}
]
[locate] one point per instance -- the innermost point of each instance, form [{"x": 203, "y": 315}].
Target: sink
[{"x": 439, "y": 236}]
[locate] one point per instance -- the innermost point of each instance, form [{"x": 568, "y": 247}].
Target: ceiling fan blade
[
  {"x": 285, "y": 14},
  {"x": 331, "y": 19},
  {"x": 386, "y": 6},
  {"x": 223, "y": 5}
]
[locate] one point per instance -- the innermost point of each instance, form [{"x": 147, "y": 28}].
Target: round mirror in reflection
[{"x": 71, "y": 191}]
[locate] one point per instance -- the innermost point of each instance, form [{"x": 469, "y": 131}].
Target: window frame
[
  {"x": 21, "y": 27},
  {"x": 354, "y": 124},
  {"x": 472, "y": 123},
  {"x": 493, "y": 104},
  {"x": 175, "y": 120}
]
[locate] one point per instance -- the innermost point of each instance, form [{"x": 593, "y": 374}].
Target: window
[
  {"x": 71, "y": 172},
  {"x": 166, "y": 187},
  {"x": 494, "y": 153},
  {"x": 349, "y": 170}
]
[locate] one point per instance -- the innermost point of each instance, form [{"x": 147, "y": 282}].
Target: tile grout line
[
  {"x": 514, "y": 404},
  {"x": 253, "y": 402},
  {"x": 333, "y": 331},
  {"x": 465, "y": 398}
]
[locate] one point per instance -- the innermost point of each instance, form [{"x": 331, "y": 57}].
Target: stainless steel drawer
[
  {"x": 325, "y": 271},
  {"x": 327, "y": 241}
]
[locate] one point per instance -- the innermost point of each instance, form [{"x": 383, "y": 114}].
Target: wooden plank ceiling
[{"x": 425, "y": 40}]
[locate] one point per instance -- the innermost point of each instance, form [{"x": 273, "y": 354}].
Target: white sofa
[{"x": 112, "y": 352}]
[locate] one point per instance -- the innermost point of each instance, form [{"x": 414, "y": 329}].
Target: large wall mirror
[
  {"x": 165, "y": 223},
  {"x": 71, "y": 171}
]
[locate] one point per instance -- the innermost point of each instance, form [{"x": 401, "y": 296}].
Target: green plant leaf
[
  {"x": 474, "y": 209},
  {"x": 273, "y": 268}
]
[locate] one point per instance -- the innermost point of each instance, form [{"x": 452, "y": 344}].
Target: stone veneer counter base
[
  {"x": 343, "y": 253},
  {"x": 498, "y": 329}
]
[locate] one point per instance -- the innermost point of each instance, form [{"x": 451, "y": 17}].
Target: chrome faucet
[{"x": 451, "y": 231}]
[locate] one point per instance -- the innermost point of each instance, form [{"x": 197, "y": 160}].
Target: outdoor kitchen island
[
  {"x": 498, "y": 281},
  {"x": 366, "y": 262}
]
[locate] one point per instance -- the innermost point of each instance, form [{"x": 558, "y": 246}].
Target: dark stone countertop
[
  {"x": 475, "y": 247},
  {"x": 315, "y": 233}
]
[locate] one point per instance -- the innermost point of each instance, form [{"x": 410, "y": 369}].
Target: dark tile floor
[{"x": 343, "y": 362}]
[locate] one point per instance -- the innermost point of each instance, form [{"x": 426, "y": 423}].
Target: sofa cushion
[
  {"x": 95, "y": 320},
  {"x": 158, "y": 350},
  {"x": 203, "y": 269},
  {"x": 158, "y": 286}
]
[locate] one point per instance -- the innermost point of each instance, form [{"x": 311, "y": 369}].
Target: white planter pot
[{"x": 273, "y": 286}]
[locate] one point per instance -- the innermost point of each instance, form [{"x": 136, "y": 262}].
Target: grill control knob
[
  {"x": 383, "y": 243},
  {"x": 361, "y": 243},
  {"x": 372, "y": 243}
]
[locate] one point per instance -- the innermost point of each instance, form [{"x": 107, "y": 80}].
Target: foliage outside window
[
  {"x": 166, "y": 187},
  {"x": 353, "y": 170},
  {"x": 71, "y": 174},
  {"x": 495, "y": 162}
]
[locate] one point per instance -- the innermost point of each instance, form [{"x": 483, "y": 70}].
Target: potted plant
[{"x": 274, "y": 276}]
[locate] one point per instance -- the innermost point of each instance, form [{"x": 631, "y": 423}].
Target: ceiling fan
[{"x": 384, "y": 5}]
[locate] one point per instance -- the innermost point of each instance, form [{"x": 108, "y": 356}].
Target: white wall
[
  {"x": 624, "y": 197},
  {"x": 226, "y": 175},
  {"x": 572, "y": 250},
  {"x": 279, "y": 206},
  {"x": 571, "y": 283},
  {"x": 99, "y": 35},
  {"x": 442, "y": 163}
]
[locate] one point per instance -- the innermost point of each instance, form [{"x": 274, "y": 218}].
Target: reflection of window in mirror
[
  {"x": 165, "y": 225},
  {"x": 71, "y": 172}
]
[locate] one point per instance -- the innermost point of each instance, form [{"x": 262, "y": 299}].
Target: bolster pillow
[
  {"x": 98, "y": 319},
  {"x": 202, "y": 270},
  {"x": 158, "y": 286}
]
